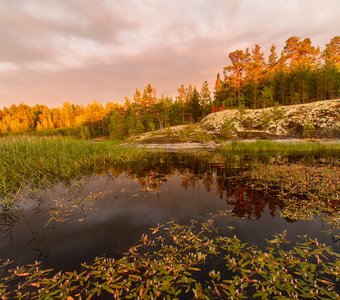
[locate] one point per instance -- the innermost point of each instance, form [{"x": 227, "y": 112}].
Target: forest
[{"x": 301, "y": 73}]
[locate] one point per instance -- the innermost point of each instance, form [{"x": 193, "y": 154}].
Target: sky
[{"x": 53, "y": 51}]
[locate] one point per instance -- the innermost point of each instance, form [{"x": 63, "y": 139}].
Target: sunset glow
[{"x": 53, "y": 51}]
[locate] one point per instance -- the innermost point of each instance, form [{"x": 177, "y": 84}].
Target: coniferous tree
[
  {"x": 256, "y": 73},
  {"x": 205, "y": 98},
  {"x": 195, "y": 111},
  {"x": 218, "y": 91},
  {"x": 270, "y": 79},
  {"x": 331, "y": 69},
  {"x": 235, "y": 73}
]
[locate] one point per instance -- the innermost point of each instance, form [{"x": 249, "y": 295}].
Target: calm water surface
[{"x": 106, "y": 214}]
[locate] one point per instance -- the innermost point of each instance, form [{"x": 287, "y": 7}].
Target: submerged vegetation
[
  {"x": 171, "y": 264},
  {"x": 306, "y": 191}
]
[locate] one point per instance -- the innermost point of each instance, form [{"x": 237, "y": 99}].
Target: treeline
[
  {"x": 145, "y": 112},
  {"x": 302, "y": 73}
]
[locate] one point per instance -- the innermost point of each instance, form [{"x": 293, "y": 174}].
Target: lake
[{"x": 105, "y": 214}]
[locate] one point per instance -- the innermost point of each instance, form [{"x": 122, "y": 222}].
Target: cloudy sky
[{"x": 81, "y": 50}]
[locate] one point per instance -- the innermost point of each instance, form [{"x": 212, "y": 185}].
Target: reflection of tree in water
[
  {"x": 249, "y": 203},
  {"x": 152, "y": 181},
  {"x": 189, "y": 180},
  {"x": 224, "y": 176}
]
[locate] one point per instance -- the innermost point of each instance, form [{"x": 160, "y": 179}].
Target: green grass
[
  {"x": 284, "y": 146},
  {"x": 32, "y": 161}
]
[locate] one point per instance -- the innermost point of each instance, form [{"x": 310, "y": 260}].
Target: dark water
[{"x": 106, "y": 214}]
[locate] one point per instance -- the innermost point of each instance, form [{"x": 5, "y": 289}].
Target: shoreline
[{"x": 213, "y": 146}]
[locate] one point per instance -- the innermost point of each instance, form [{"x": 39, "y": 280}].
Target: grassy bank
[
  {"x": 28, "y": 161},
  {"x": 283, "y": 146}
]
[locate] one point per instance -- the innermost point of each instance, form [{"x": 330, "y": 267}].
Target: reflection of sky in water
[{"x": 106, "y": 215}]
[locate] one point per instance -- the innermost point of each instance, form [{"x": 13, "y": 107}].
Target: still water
[{"x": 105, "y": 214}]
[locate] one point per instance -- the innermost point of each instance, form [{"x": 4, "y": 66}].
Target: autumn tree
[
  {"x": 137, "y": 98},
  {"x": 181, "y": 99},
  {"x": 45, "y": 119},
  {"x": 67, "y": 115},
  {"x": 149, "y": 97}
]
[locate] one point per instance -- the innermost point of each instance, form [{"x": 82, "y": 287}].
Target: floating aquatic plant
[{"x": 171, "y": 263}]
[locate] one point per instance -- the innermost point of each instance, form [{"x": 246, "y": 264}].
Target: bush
[
  {"x": 247, "y": 123},
  {"x": 203, "y": 136},
  {"x": 266, "y": 118},
  {"x": 85, "y": 133},
  {"x": 277, "y": 112},
  {"x": 227, "y": 129},
  {"x": 308, "y": 129}
]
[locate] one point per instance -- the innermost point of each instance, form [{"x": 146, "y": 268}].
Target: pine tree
[
  {"x": 195, "y": 105},
  {"x": 272, "y": 59},
  {"x": 218, "y": 91},
  {"x": 234, "y": 74},
  {"x": 255, "y": 73},
  {"x": 269, "y": 93},
  {"x": 137, "y": 98},
  {"x": 205, "y": 98},
  {"x": 330, "y": 72},
  {"x": 149, "y": 97}
]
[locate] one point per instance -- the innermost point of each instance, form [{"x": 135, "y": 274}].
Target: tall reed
[
  {"x": 29, "y": 160},
  {"x": 280, "y": 146}
]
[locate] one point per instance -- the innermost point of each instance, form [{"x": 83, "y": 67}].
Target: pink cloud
[{"x": 51, "y": 51}]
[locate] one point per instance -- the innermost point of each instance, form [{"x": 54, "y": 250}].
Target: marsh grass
[
  {"x": 303, "y": 147},
  {"x": 32, "y": 161},
  {"x": 307, "y": 191}
]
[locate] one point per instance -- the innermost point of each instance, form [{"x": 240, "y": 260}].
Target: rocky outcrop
[
  {"x": 318, "y": 119},
  {"x": 312, "y": 120},
  {"x": 192, "y": 133}
]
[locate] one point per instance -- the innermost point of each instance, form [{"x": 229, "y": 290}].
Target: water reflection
[{"x": 105, "y": 214}]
